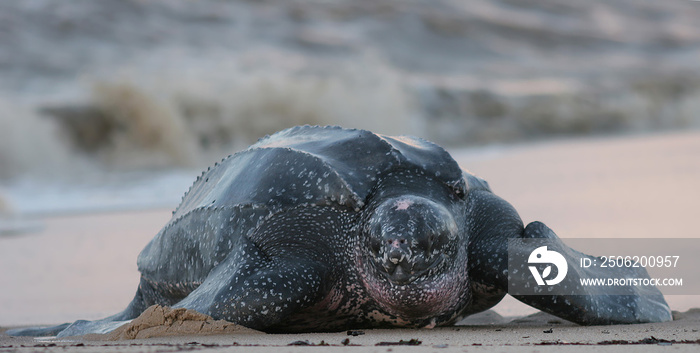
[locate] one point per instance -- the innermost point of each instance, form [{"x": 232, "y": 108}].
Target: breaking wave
[
  {"x": 29, "y": 143},
  {"x": 136, "y": 123}
]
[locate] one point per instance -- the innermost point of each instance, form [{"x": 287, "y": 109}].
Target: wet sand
[
  {"x": 539, "y": 333},
  {"x": 84, "y": 266}
]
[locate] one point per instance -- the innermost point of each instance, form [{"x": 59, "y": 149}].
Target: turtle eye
[
  {"x": 428, "y": 243},
  {"x": 460, "y": 188},
  {"x": 431, "y": 242},
  {"x": 375, "y": 245}
]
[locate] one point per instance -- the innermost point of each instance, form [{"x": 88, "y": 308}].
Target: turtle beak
[
  {"x": 399, "y": 262},
  {"x": 397, "y": 273},
  {"x": 403, "y": 266},
  {"x": 393, "y": 261}
]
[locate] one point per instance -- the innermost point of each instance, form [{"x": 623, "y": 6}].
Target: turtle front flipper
[
  {"x": 146, "y": 295},
  {"x": 281, "y": 268},
  {"x": 255, "y": 291},
  {"x": 494, "y": 225},
  {"x": 77, "y": 328},
  {"x": 37, "y": 331},
  {"x": 573, "y": 300}
]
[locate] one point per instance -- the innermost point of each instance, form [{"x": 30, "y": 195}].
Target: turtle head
[
  {"x": 410, "y": 237},
  {"x": 413, "y": 251}
]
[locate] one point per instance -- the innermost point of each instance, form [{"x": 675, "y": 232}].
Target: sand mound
[{"x": 159, "y": 321}]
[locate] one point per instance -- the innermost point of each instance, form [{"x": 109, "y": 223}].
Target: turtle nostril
[{"x": 402, "y": 241}]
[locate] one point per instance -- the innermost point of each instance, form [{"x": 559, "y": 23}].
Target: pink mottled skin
[
  {"x": 402, "y": 204},
  {"x": 435, "y": 296}
]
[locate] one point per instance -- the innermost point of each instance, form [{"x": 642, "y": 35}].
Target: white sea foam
[{"x": 28, "y": 142}]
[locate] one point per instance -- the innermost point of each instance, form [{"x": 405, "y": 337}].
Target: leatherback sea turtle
[{"x": 325, "y": 228}]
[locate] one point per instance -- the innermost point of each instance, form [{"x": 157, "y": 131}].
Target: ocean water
[
  {"x": 113, "y": 193},
  {"x": 162, "y": 85}
]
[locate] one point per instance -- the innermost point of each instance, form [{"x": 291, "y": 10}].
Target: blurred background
[
  {"x": 117, "y": 105},
  {"x": 90, "y": 87}
]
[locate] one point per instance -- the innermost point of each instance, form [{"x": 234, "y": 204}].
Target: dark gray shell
[{"x": 327, "y": 166}]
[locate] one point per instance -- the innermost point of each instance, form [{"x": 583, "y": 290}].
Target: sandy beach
[
  {"x": 84, "y": 266},
  {"x": 539, "y": 334}
]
